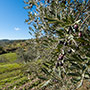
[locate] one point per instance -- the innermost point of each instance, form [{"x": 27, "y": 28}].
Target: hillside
[
  {"x": 15, "y": 74},
  {"x": 18, "y": 76}
]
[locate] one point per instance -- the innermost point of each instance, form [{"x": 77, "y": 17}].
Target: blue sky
[{"x": 12, "y": 17}]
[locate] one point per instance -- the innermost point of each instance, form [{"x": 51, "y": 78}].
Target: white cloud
[{"x": 17, "y": 28}]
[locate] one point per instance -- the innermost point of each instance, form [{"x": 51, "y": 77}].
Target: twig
[
  {"x": 82, "y": 79},
  {"x": 84, "y": 21},
  {"x": 82, "y": 10}
]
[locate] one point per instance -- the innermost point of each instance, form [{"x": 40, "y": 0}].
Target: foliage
[
  {"x": 28, "y": 55},
  {"x": 67, "y": 21},
  {"x": 1, "y": 48}
]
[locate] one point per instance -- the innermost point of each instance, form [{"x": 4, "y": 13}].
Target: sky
[{"x": 12, "y": 20}]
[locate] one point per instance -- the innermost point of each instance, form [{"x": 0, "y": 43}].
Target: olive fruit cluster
[
  {"x": 76, "y": 28},
  {"x": 70, "y": 28},
  {"x": 65, "y": 43},
  {"x": 59, "y": 61},
  {"x": 60, "y": 58},
  {"x": 59, "y": 64}
]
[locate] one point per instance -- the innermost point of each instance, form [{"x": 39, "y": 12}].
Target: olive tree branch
[{"x": 84, "y": 21}]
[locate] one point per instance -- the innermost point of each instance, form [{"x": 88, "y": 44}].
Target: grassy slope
[
  {"x": 12, "y": 75},
  {"x": 8, "y": 69}
]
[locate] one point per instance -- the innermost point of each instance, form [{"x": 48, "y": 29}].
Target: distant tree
[
  {"x": 1, "y": 48},
  {"x": 68, "y": 22}
]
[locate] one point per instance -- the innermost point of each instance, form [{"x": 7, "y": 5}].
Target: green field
[{"x": 13, "y": 75}]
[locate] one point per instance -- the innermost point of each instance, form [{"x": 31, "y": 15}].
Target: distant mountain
[
  {"x": 4, "y": 40},
  {"x": 7, "y": 41}
]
